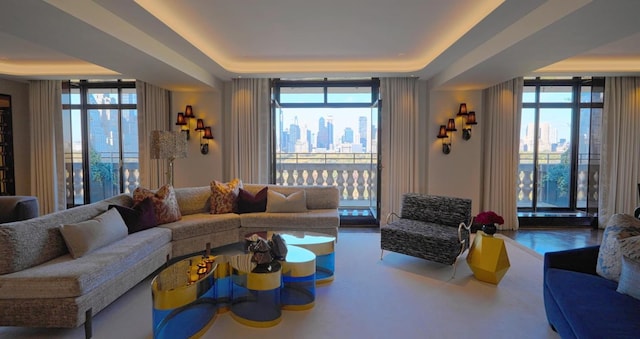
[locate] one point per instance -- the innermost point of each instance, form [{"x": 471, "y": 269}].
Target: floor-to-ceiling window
[
  {"x": 100, "y": 128},
  {"x": 326, "y": 133},
  {"x": 559, "y": 144}
]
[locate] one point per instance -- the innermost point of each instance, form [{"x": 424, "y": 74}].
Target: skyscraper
[{"x": 362, "y": 130}]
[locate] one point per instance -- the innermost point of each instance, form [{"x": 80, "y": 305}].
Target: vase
[{"x": 489, "y": 229}]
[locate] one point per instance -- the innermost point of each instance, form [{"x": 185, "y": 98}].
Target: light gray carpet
[{"x": 398, "y": 297}]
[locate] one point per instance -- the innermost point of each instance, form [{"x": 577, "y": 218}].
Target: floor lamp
[{"x": 168, "y": 145}]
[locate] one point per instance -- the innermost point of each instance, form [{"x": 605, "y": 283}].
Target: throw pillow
[
  {"x": 630, "y": 277},
  {"x": 293, "y": 203},
  {"x": 165, "y": 204},
  {"x": 248, "y": 203},
  {"x": 141, "y": 217},
  {"x": 224, "y": 196},
  {"x": 620, "y": 226},
  {"x": 89, "y": 235}
]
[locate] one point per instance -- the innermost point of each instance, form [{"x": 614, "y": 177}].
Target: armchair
[{"x": 430, "y": 227}]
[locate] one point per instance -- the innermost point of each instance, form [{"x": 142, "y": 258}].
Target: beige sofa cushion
[
  {"x": 64, "y": 277},
  {"x": 200, "y": 224},
  {"x": 89, "y": 235},
  {"x": 194, "y": 200},
  {"x": 27, "y": 243},
  {"x": 312, "y": 219},
  {"x": 295, "y": 202}
]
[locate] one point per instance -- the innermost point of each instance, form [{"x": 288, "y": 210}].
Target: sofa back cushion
[
  {"x": 318, "y": 197},
  {"x": 28, "y": 243},
  {"x": 194, "y": 200},
  {"x": 447, "y": 211}
]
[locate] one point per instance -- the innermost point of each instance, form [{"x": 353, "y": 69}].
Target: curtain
[
  {"x": 250, "y": 130},
  {"x": 502, "y": 107},
  {"x": 47, "y": 151},
  {"x": 399, "y": 142},
  {"x": 620, "y": 149},
  {"x": 154, "y": 113}
]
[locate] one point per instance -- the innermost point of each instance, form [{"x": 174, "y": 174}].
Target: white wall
[
  {"x": 455, "y": 174},
  {"x": 199, "y": 169},
  {"x": 19, "y": 92}
]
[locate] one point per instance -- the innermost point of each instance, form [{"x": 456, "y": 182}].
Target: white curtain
[
  {"x": 47, "y": 152},
  {"x": 501, "y": 141},
  {"x": 620, "y": 149},
  {"x": 250, "y": 130},
  {"x": 154, "y": 113},
  {"x": 399, "y": 142}
]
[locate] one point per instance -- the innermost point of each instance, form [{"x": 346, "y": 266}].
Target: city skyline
[{"x": 342, "y": 132}]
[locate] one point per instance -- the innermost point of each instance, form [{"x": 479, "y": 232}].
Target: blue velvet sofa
[{"x": 581, "y": 304}]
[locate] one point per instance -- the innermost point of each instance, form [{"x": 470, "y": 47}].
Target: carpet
[{"x": 398, "y": 297}]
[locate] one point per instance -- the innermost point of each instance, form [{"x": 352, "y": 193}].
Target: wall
[
  {"x": 19, "y": 92},
  {"x": 199, "y": 169},
  {"x": 457, "y": 173}
]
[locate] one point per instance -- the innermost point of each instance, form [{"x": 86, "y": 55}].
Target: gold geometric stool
[{"x": 488, "y": 258}]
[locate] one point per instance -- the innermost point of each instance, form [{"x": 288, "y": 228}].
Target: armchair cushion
[{"x": 447, "y": 211}]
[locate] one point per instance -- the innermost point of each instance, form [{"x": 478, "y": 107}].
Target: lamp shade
[
  {"x": 451, "y": 125},
  {"x": 462, "y": 110},
  {"x": 443, "y": 132},
  {"x": 207, "y": 133},
  {"x": 200, "y": 125},
  {"x": 188, "y": 112},
  {"x": 168, "y": 145},
  {"x": 181, "y": 121},
  {"x": 471, "y": 119}
]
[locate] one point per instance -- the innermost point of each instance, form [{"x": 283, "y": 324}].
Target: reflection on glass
[
  {"x": 554, "y": 158},
  {"x": 104, "y": 150},
  {"x": 556, "y": 94}
]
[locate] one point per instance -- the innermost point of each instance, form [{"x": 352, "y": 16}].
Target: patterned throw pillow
[
  {"x": 164, "y": 200},
  {"x": 619, "y": 228},
  {"x": 224, "y": 196}
]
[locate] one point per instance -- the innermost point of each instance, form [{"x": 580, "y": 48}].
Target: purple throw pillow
[
  {"x": 141, "y": 217},
  {"x": 248, "y": 203}
]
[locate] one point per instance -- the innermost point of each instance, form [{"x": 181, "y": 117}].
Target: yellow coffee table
[{"x": 488, "y": 258}]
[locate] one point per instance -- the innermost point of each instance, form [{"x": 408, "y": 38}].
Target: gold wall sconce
[
  {"x": 184, "y": 121},
  {"x": 468, "y": 120}
]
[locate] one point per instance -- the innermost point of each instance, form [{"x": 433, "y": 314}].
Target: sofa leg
[
  {"x": 87, "y": 324},
  {"x": 381, "y": 253}
]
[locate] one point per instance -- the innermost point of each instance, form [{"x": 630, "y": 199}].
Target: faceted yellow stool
[{"x": 488, "y": 258}]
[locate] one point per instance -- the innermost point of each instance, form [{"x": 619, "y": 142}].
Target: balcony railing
[
  {"x": 354, "y": 174},
  {"x": 549, "y": 192}
]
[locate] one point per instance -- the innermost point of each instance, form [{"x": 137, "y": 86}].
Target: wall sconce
[
  {"x": 442, "y": 134},
  {"x": 208, "y": 135},
  {"x": 181, "y": 121},
  {"x": 468, "y": 120}
]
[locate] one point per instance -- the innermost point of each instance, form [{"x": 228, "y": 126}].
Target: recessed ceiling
[{"x": 194, "y": 44}]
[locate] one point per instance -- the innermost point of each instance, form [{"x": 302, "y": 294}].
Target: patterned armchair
[{"x": 431, "y": 227}]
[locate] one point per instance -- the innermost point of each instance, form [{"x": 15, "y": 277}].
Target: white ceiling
[{"x": 196, "y": 44}]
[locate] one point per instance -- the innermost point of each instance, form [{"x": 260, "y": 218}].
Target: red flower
[{"x": 489, "y": 217}]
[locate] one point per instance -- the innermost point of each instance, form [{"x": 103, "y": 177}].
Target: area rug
[{"x": 397, "y": 297}]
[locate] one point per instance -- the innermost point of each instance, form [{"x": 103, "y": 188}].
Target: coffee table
[
  {"x": 322, "y": 245},
  {"x": 183, "y": 298}
]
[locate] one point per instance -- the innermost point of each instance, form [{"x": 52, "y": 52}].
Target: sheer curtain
[
  {"x": 154, "y": 113},
  {"x": 399, "y": 141},
  {"x": 501, "y": 141},
  {"x": 620, "y": 153},
  {"x": 250, "y": 130},
  {"x": 47, "y": 151}
]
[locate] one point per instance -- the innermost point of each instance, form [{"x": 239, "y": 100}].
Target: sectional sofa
[
  {"x": 593, "y": 292},
  {"x": 43, "y": 285}
]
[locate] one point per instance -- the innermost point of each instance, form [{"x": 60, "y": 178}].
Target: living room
[{"x": 200, "y": 52}]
